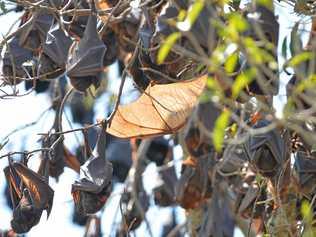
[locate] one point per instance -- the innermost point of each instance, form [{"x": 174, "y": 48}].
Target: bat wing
[
  {"x": 42, "y": 23},
  {"x": 87, "y": 56},
  {"x": 71, "y": 160},
  {"x": 57, "y": 45},
  {"x": 15, "y": 192},
  {"x": 95, "y": 174},
  {"x": 41, "y": 193}
]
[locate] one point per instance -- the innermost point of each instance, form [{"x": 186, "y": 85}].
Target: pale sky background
[{"x": 19, "y": 111}]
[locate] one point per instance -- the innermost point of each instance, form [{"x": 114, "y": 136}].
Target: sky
[{"x": 19, "y": 111}]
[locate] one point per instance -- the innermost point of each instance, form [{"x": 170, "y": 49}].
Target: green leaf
[
  {"x": 166, "y": 46},
  {"x": 266, "y": 3},
  {"x": 299, "y": 58},
  {"x": 242, "y": 81},
  {"x": 214, "y": 86},
  {"x": 194, "y": 11},
  {"x": 231, "y": 62},
  {"x": 221, "y": 124}
]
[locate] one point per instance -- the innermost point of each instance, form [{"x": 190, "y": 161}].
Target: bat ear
[{"x": 40, "y": 191}]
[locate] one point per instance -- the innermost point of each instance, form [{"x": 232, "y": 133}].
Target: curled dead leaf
[{"x": 162, "y": 109}]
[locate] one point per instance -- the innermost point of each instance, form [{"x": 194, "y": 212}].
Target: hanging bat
[
  {"x": 56, "y": 157},
  {"x": 94, "y": 187},
  {"x": 164, "y": 194},
  {"x": 78, "y": 23},
  {"x": 218, "y": 219},
  {"x": 30, "y": 195},
  {"x": 13, "y": 60},
  {"x": 193, "y": 187},
  {"x": 305, "y": 173},
  {"x": 132, "y": 215},
  {"x": 267, "y": 152},
  {"x": 265, "y": 83},
  {"x": 86, "y": 58},
  {"x": 34, "y": 35},
  {"x": 119, "y": 153},
  {"x": 57, "y": 45},
  {"x": 55, "y": 52}
]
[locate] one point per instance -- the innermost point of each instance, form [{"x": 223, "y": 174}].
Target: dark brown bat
[
  {"x": 55, "y": 157},
  {"x": 86, "y": 58},
  {"x": 94, "y": 187},
  {"x": 13, "y": 60},
  {"x": 34, "y": 35},
  {"x": 30, "y": 195},
  {"x": 165, "y": 193},
  {"x": 193, "y": 187},
  {"x": 131, "y": 213},
  {"x": 57, "y": 45},
  {"x": 305, "y": 173},
  {"x": 265, "y": 83},
  {"x": 55, "y": 53},
  {"x": 267, "y": 152}
]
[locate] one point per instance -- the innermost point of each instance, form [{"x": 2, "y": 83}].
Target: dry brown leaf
[{"x": 162, "y": 109}]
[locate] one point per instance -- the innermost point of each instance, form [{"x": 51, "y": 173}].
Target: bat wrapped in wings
[
  {"x": 193, "y": 187},
  {"x": 267, "y": 152},
  {"x": 94, "y": 187},
  {"x": 305, "y": 173},
  {"x": 33, "y": 35},
  {"x": 266, "y": 81},
  {"x": 14, "y": 58},
  {"x": 164, "y": 193},
  {"x": 30, "y": 195},
  {"x": 55, "y": 52},
  {"x": 86, "y": 58}
]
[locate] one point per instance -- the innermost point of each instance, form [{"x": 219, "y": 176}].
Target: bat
[
  {"x": 305, "y": 170},
  {"x": 30, "y": 195},
  {"x": 132, "y": 215},
  {"x": 86, "y": 58},
  {"x": 218, "y": 220},
  {"x": 193, "y": 187},
  {"x": 34, "y": 35},
  {"x": 57, "y": 45},
  {"x": 78, "y": 23},
  {"x": 267, "y": 152},
  {"x": 93, "y": 188},
  {"x": 119, "y": 153},
  {"x": 164, "y": 193},
  {"x": 56, "y": 158},
  {"x": 55, "y": 52},
  {"x": 267, "y": 83},
  {"x": 197, "y": 138},
  {"x": 13, "y": 60}
]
